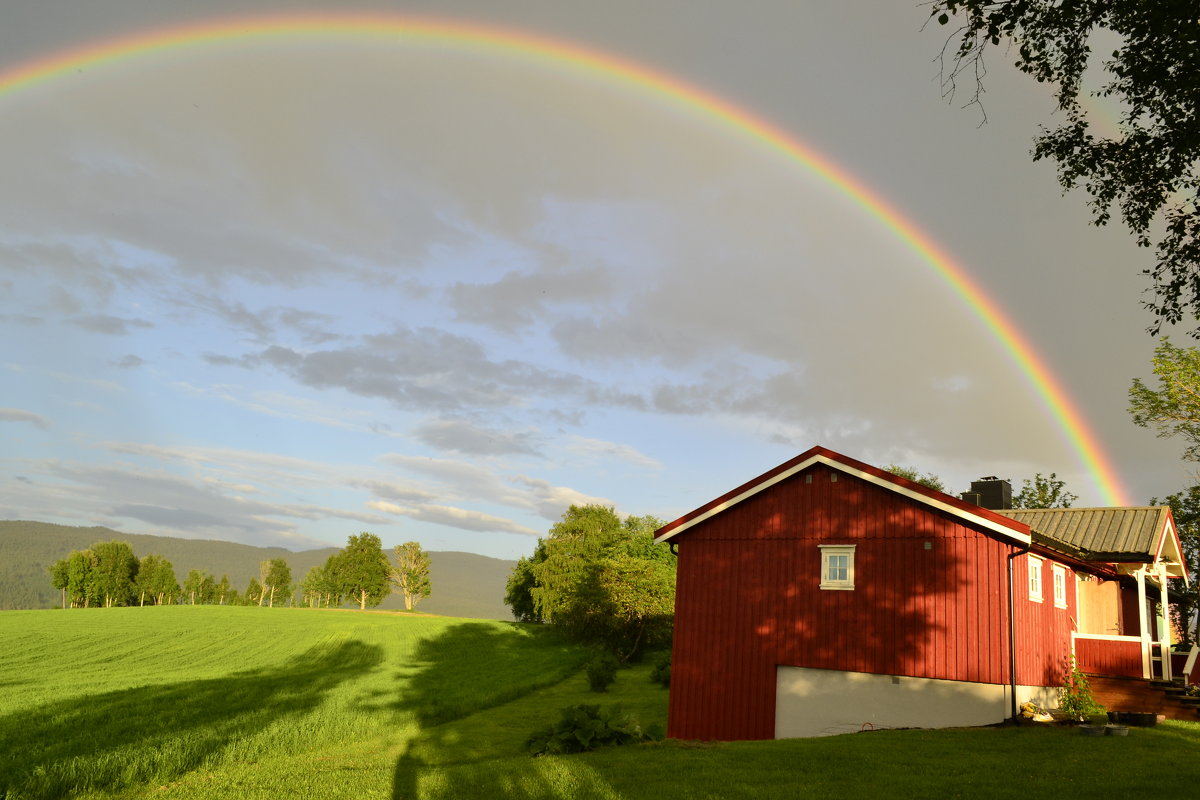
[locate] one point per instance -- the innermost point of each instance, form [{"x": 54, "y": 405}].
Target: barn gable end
[{"x": 929, "y": 599}]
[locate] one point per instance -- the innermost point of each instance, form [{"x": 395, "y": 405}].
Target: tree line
[{"x": 108, "y": 574}]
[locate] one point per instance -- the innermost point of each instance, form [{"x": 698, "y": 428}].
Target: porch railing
[{"x": 1099, "y": 654}]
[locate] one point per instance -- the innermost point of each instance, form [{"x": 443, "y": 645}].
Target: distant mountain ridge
[{"x": 464, "y": 584}]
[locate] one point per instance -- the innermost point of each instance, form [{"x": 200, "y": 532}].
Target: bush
[
  {"x": 586, "y": 727},
  {"x": 1075, "y": 698},
  {"x": 601, "y": 672},
  {"x": 661, "y": 672}
]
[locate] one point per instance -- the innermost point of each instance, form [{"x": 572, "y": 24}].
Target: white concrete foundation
[{"x": 823, "y": 702}]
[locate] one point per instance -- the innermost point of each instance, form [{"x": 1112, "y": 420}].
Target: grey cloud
[
  {"x": 20, "y": 415},
  {"x": 466, "y": 437},
  {"x": 109, "y": 325},
  {"x": 186, "y": 519},
  {"x": 425, "y": 369},
  {"x": 311, "y": 327},
  {"x": 463, "y": 519},
  {"x": 129, "y": 362},
  {"x": 516, "y": 299},
  {"x": 391, "y": 491},
  {"x": 22, "y": 319}
]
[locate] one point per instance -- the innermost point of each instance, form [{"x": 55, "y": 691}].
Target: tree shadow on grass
[
  {"x": 129, "y": 737},
  {"x": 467, "y": 669}
]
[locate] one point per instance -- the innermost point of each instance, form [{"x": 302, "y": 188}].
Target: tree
[
  {"x": 1148, "y": 172},
  {"x": 162, "y": 583},
  {"x": 277, "y": 578},
  {"x": 193, "y": 585},
  {"x": 1044, "y": 492},
  {"x": 1185, "y": 508},
  {"x": 221, "y": 591},
  {"x": 1174, "y": 407},
  {"x": 60, "y": 577},
  {"x": 254, "y": 592},
  {"x": 80, "y": 585},
  {"x": 928, "y": 480},
  {"x": 602, "y": 581},
  {"x": 518, "y": 591},
  {"x": 411, "y": 573},
  {"x": 314, "y": 586},
  {"x": 113, "y": 572},
  {"x": 361, "y": 570}
]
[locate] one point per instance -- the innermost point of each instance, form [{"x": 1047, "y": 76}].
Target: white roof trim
[
  {"x": 975, "y": 519},
  {"x": 1174, "y": 558}
]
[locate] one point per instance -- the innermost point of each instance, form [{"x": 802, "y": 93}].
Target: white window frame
[
  {"x": 1060, "y": 585},
  {"x": 828, "y": 553},
  {"x": 1035, "y": 579}
]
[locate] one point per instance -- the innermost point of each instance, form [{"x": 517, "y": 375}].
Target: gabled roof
[
  {"x": 1011, "y": 529},
  {"x": 1114, "y": 535}
]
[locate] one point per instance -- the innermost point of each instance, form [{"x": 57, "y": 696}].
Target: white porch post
[
  {"x": 1143, "y": 622},
  {"x": 1164, "y": 643}
]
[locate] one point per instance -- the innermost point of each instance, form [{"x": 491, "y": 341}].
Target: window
[
  {"x": 837, "y": 566},
  {"x": 1035, "y": 579},
  {"x": 1060, "y": 586}
]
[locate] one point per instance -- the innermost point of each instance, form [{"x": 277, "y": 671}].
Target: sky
[{"x": 281, "y": 289}]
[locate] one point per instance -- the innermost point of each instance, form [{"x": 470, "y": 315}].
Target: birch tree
[{"x": 411, "y": 573}]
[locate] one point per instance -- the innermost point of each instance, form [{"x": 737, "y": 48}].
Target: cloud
[
  {"x": 128, "y": 362},
  {"x": 518, "y": 299},
  {"x": 425, "y": 369},
  {"x": 599, "y": 448},
  {"x": 468, "y": 438},
  {"x": 177, "y": 518},
  {"x": 309, "y": 327},
  {"x": 109, "y": 325},
  {"x": 19, "y": 415},
  {"x": 551, "y": 501},
  {"x": 455, "y": 518}
]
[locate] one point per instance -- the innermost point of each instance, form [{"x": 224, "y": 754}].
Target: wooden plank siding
[
  {"x": 748, "y": 599},
  {"x": 1107, "y": 657},
  {"x": 1043, "y": 630}
]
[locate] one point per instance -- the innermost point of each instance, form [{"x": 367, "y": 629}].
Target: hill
[{"x": 464, "y": 584}]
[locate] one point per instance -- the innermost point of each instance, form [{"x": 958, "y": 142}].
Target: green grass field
[{"x": 204, "y": 702}]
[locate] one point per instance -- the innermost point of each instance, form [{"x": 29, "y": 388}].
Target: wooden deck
[{"x": 1152, "y": 697}]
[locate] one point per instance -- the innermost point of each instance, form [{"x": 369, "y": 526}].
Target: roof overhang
[{"x": 1008, "y": 529}]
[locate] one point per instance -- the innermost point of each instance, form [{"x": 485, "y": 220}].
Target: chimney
[{"x": 990, "y": 492}]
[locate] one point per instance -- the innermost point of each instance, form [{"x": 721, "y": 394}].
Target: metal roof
[{"x": 1111, "y": 531}]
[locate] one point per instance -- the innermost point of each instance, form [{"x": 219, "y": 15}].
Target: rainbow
[{"x": 607, "y": 68}]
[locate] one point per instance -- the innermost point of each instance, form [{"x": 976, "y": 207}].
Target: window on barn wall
[
  {"x": 837, "y": 566},
  {"x": 1035, "y": 579},
  {"x": 1060, "y": 586}
]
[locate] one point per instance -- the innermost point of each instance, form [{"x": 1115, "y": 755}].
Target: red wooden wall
[
  {"x": 748, "y": 599},
  {"x": 1043, "y": 630}
]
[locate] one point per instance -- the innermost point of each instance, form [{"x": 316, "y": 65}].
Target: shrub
[
  {"x": 586, "y": 727},
  {"x": 1075, "y": 698},
  {"x": 601, "y": 672},
  {"x": 661, "y": 672}
]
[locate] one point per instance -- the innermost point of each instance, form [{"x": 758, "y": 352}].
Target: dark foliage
[
  {"x": 601, "y": 672},
  {"x": 587, "y": 727},
  {"x": 661, "y": 672}
]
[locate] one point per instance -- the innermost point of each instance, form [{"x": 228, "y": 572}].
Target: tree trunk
[
  {"x": 271, "y": 604},
  {"x": 408, "y": 598},
  {"x": 362, "y": 603}
]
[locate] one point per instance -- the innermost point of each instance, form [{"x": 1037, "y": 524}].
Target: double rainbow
[{"x": 572, "y": 57}]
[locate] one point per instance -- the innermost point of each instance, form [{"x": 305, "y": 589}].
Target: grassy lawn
[{"x": 267, "y": 703}]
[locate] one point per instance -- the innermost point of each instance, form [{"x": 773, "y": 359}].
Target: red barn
[{"x": 827, "y": 595}]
